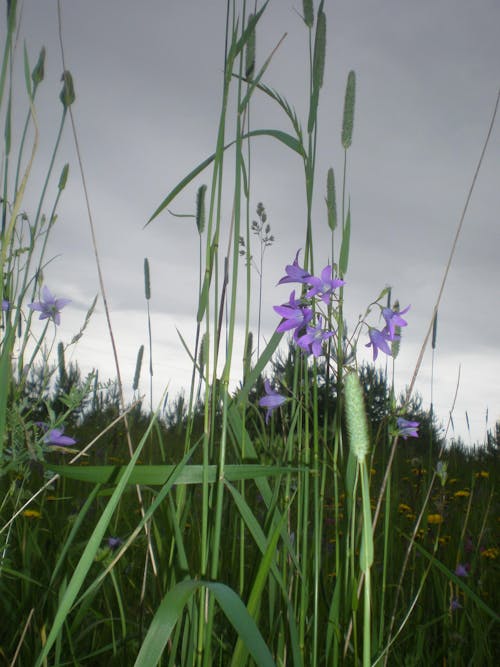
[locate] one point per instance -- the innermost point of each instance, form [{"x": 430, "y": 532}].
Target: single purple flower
[
  {"x": 49, "y": 306},
  {"x": 407, "y": 429},
  {"x": 55, "y": 437},
  {"x": 461, "y": 570},
  {"x": 294, "y": 272},
  {"x": 5, "y": 305},
  {"x": 312, "y": 340},
  {"x": 455, "y": 604},
  {"x": 272, "y": 400},
  {"x": 393, "y": 319},
  {"x": 324, "y": 285},
  {"x": 114, "y": 543},
  {"x": 378, "y": 339},
  {"x": 295, "y": 316}
]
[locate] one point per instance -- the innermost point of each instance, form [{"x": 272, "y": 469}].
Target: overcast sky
[{"x": 148, "y": 78}]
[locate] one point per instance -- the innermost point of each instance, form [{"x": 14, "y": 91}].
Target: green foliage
[{"x": 204, "y": 535}]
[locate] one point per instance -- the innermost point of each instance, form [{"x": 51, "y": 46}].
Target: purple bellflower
[
  {"x": 55, "y": 437},
  {"x": 312, "y": 340},
  {"x": 461, "y": 570},
  {"x": 271, "y": 400},
  {"x": 407, "y": 429},
  {"x": 378, "y": 340},
  {"x": 393, "y": 319},
  {"x": 114, "y": 543},
  {"x": 455, "y": 604},
  {"x": 5, "y": 305},
  {"x": 49, "y": 306},
  {"x": 324, "y": 285},
  {"x": 295, "y": 273},
  {"x": 295, "y": 316}
]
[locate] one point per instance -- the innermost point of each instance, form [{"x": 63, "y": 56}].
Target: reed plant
[{"x": 296, "y": 520}]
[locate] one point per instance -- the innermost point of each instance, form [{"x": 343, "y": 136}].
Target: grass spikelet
[
  {"x": 331, "y": 200},
  {"x": 250, "y": 52},
  {"x": 147, "y": 282},
  {"x": 434, "y": 330},
  {"x": 38, "y": 73},
  {"x": 319, "y": 51},
  {"x": 64, "y": 177},
  {"x": 348, "y": 119},
  {"x": 200, "y": 208},
  {"x": 307, "y": 8},
  {"x": 359, "y": 441},
  {"x": 67, "y": 95},
  {"x": 138, "y": 365}
]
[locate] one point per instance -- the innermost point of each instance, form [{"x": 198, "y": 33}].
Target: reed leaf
[
  {"x": 172, "y": 607},
  {"x": 157, "y": 475},
  {"x": 242, "y": 649}
]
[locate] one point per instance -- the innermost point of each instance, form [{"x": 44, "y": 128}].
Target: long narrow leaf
[
  {"x": 172, "y": 607},
  {"x": 158, "y": 475}
]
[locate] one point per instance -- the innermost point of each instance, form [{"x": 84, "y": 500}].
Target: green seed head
[
  {"x": 67, "y": 95},
  {"x": 319, "y": 52},
  {"x": 348, "y": 120},
  {"x": 138, "y": 365},
  {"x": 307, "y": 8},
  {"x": 331, "y": 200},
  {"x": 147, "y": 281},
  {"x": 356, "y": 416},
  {"x": 39, "y": 69},
  {"x": 200, "y": 208},
  {"x": 250, "y": 53}
]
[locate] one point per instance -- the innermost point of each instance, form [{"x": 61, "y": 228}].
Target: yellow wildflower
[
  {"x": 492, "y": 553},
  {"x": 463, "y": 493},
  {"x": 32, "y": 514},
  {"x": 482, "y": 473},
  {"x": 402, "y": 508},
  {"x": 434, "y": 519}
]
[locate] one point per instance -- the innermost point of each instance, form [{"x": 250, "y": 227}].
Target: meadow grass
[{"x": 310, "y": 517}]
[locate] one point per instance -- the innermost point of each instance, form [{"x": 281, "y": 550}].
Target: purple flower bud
[{"x": 294, "y": 272}]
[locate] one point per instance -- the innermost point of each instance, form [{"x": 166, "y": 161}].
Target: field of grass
[{"x": 310, "y": 517}]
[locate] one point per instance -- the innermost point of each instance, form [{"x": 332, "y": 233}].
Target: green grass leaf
[{"x": 170, "y": 611}]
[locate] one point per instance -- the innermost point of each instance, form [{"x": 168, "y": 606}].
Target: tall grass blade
[{"x": 171, "y": 610}]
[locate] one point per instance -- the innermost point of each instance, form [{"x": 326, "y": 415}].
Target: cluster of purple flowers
[{"x": 298, "y": 314}]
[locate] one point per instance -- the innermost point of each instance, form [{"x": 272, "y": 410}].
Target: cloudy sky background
[{"x": 148, "y": 78}]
